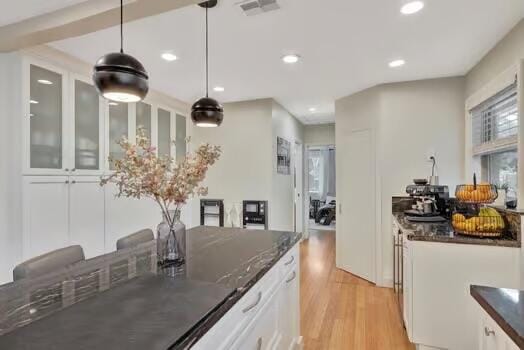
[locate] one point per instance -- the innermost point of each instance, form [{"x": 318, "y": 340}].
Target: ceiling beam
[{"x": 80, "y": 19}]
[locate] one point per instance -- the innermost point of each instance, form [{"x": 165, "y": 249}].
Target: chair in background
[
  {"x": 48, "y": 262},
  {"x": 135, "y": 239}
]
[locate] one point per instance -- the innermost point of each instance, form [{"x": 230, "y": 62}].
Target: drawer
[{"x": 288, "y": 261}]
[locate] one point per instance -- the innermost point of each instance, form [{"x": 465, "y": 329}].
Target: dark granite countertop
[
  {"x": 506, "y": 307},
  {"x": 443, "y": 232},
  {"x": 168, "y": 310}
]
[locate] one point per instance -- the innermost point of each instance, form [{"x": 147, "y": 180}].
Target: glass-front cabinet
[
  {"x": 45, "y": 104},
  {"x": 70, "y": 130},
  {"x": 88, "y": 115}
]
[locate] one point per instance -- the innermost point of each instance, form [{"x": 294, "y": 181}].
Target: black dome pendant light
[
  {"x": 207, "y": 112},
  {"x": 119, "y": 76}
]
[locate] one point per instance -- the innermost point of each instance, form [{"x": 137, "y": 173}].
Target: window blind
[{"x": 495, "y": 122}]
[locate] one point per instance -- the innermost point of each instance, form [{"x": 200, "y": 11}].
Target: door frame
[
  {"x": 298, "y": 145},
  {"x": 307, "y": 148}
]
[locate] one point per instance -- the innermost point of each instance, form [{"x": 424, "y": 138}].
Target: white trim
[{"x": 498, "y": 84}]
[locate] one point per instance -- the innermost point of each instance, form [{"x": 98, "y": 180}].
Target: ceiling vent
[{"x": 255, "y": 7}]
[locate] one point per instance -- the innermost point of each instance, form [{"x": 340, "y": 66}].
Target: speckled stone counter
[
  {"x": 171, "y": 309},
  {"x": 443, "y": 232},
  {"x": 506, "y": 307}
]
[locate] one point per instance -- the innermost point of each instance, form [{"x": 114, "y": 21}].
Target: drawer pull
[
  {"x": 488, "y": 331},
  {"x": 259, "y": 344},
  {"x": 292, "y": 277},
  {"x": 290, "y": 260},
  {"x": 249, "y": 307}
]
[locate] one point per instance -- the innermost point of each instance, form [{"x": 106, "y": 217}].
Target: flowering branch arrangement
[{"x": 142, "y": 173}]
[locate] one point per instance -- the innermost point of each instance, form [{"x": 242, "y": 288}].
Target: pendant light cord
[
  {"x": 207, "y": 56},
  {"x": 121, "y": 26}
]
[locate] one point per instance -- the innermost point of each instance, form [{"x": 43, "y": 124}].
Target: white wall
[
  {"x": 319, "y": 135},
  {"x": 281, "y": 206},
  {"x": 411, "y": 120},
  {"x": 244, "y": 169}
]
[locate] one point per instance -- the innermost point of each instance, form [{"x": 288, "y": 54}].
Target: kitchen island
[
  {"x": 237, "y": 289},
  {"x": 433, "y": 270}
]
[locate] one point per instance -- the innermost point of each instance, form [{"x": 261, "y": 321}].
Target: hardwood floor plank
[{"x": 340, "y": 310}]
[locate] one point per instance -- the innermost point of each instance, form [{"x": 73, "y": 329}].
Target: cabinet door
[
  {"x": 118, "y": 127},
  {"x": 262, "y": 332},
  {"x": 180, "y": 138},
  {"x": 164, "y": 132},
  {"x": 289, "y": 311},
  {"x": 87, "y": 133},
  {"x": 44, "y": 105},
  {"x": 86, "y": 212},
  {"x": 143, "y": 118},
  {"x": 45, "y": 214}
]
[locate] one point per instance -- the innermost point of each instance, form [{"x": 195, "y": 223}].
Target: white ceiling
[
  {"x": 15, "y": 11},
  {"x": 345, "y": 46}
]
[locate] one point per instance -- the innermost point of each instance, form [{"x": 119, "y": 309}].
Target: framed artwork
[{"x": 283, "y": 156}]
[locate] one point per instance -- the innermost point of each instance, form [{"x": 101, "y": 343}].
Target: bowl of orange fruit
[{"x": 483, "y": 193}]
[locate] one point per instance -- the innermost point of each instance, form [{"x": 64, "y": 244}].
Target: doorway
[{"x": 321, "y": 187}]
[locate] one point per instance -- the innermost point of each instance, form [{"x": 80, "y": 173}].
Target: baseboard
[
  {"x": 299, "y": 344},
  {"x": 386, "y": 282}
]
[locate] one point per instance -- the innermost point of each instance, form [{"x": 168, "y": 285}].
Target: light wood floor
[{"x": 341, "y": 311}]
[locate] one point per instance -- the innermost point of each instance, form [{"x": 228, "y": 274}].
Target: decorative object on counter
[
  {"x": 488, "y": 223},
  {"x": 119, "y": 76},
  {"x": 207, "y": 112},
  {"x": 142, "y": 173},
  {"x": 477, "y": 193},
  {"x": 511, "y": 198}
]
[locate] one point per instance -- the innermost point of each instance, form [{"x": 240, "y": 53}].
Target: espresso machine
[{"x": 431, "y": 202}]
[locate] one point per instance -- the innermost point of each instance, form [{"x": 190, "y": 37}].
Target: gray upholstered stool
[
  {"x": 48, "y": 262},
  {"x": 135, "y": 239}
]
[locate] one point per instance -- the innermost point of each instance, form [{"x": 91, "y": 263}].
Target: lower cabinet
[
  {"x": 45, "y": 224},
  {"x": 62, "y": 210},
  {"x": 267, "y": 317},
  {"x": 491, "y": 336}
]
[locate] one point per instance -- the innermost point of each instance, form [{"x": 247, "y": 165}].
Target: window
[{"x": 495, "y": 127}]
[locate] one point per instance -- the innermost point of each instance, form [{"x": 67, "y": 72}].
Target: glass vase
[{"x": 171, "y": 241}]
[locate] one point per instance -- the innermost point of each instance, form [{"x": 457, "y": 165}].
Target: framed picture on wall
[{"x": 283, "y": 156}]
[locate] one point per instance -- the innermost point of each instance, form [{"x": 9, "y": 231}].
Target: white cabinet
[
  {"x": 86, "y": 214},
  {"x": 491, "y": 336},
  {"x": 266, "y": 317},
  {"x": 61, "y": 211},
  {"x": 45, "y": 224}
]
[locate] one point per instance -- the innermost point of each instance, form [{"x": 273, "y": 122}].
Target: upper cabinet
[
  {"x": 45, "y": 102},
  {"x": 88, "y": 113},
  {"x": 70, "y": 130}
]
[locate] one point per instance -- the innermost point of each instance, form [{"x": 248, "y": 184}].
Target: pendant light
[
  {"x": 119, "y": 76},
  {"x": 207, "y": 112}
]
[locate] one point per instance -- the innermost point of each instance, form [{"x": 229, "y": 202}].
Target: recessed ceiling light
[
  {"x": 397, "y": 63},
  {"x": 33, "y": 102},
  {"x": 412, "y": 7},
  {"x": 113, "y": 104},
  {"x": 291, "y": 58},
  {"x": 219, "y": 88},
  {"x": 45, "y": 82},
  {"x": 312, "y": 109},
  {"x": 169, "y": 56}
]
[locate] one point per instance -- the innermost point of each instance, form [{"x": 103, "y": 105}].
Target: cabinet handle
[
  {"x": 488, "y": 331},
  {"x": 259, "y": 344},
  {"x": 66, "y": 169},
  {"x": 73, "y": 182},
  {"x": 249, "y": 307},
  {"x": 292, "y": 277},
  {"x": 290, "y": 260},
  {"x": 74, "y": 169},
  {"x": 66, "y": 181}
]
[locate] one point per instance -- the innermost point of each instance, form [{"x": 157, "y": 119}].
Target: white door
[
  {"x": 86, "y": 210},
  {"x": 298, "y": 190},
  {"x": 45, "y": 214},
  {"x": 356, "y": 208}
]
